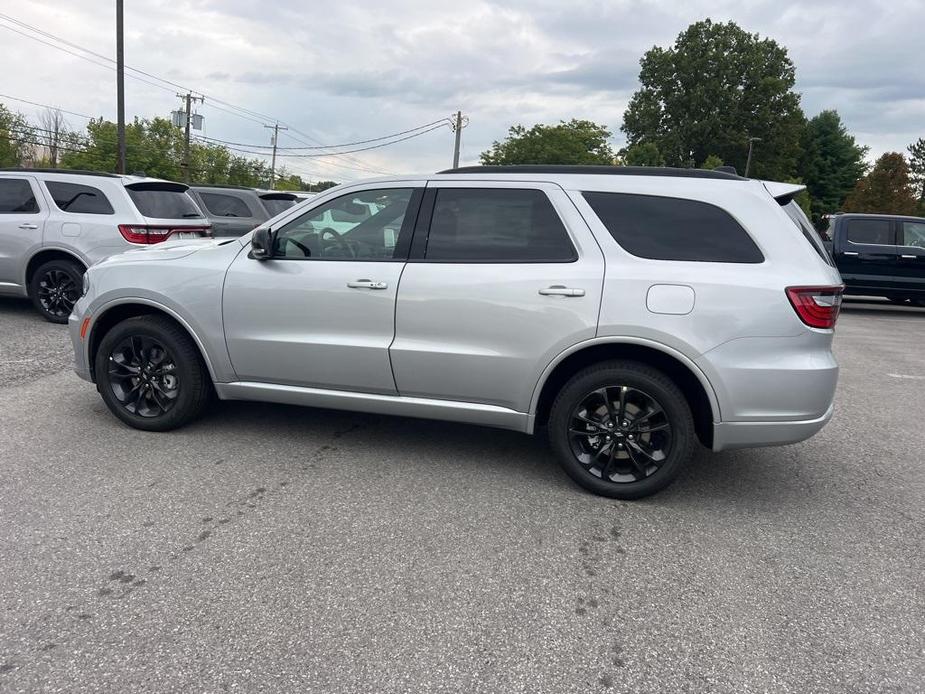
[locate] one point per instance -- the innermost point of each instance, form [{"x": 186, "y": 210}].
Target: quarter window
[
  {"x": 914, "y": 234},
  {"x": 499, "y": 225},
  {"x": 873, "y": 231},
  {"x": 75, "y": 198},
  {"x": 369, "y": 225},
  {"x": 16, "y": 197},
  {"x": 663, "y": 228},
  {"x": 221, "y": 205}
]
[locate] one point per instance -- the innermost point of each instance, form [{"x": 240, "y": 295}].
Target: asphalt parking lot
[{"x": 270, "y": 548}]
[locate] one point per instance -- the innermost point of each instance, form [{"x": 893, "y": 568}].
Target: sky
[{"x": 340, "y": 72}]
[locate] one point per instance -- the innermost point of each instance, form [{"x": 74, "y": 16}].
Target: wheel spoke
[
  {"x": 605, "y": 472},
  {"x": 640, "y": 470},
  {"x": 622, "y": 402},
  {"x": 649, "y": 430},
  {"x": 608, "y": 404},
  {"x": 579, "y": 432}
]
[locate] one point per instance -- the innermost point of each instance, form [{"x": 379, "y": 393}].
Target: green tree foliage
[
  {"x": 712, "y": 162},
  {"x": 716, "y": 87},
  {"x": 15, "y": 138},
  {"x": 917, "y": 167},
  {"x": 575, "y": 142},
  {"x": 319, "y": 186},
  {"x": 831, "y": 163},
  {"x": 887, "y": 189},
  {"x": 643, "y": 154}
]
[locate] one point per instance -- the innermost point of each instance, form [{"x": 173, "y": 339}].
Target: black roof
[
  {"x": 607, "y": 170},
  {"x": 79, "y": 172},
  {"x": 220, "y": 185}
]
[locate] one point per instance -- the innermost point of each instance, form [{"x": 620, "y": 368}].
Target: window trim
[
  {"x": 48, "y": 183},
  {"x": 36, "y": 194},
  {"x": 422, "y": 229},
  {"x": 402, "y": 246},
  {"x": 725, "y": 211},
  {"x": 894, "y": 231}
]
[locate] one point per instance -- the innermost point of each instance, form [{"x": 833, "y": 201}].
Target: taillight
[
  {"x": 816, "y": 306},
  {"x": 147, "y": 234}
]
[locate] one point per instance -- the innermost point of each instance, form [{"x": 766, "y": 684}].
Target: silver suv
[
  {"x": 629, "y": 312},
  {"x": 54, "y": 224}
]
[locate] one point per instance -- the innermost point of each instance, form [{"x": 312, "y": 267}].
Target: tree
[
  {"x": 917, "y": 167},
  {"x": 16, "y": 138},
  {"x": 319, "y": 186},
  {"x": 887, "y": 189},
  {"x": 830, "y": 164},
  {"x": 712, "y": 162},
  {"x": 52, "y": 132},
  {"x": 575, "y": 142},
  {"x": 643, "y": 154},
  {"x": 716, "y": 87}
]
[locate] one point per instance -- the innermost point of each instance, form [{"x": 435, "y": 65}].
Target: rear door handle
[
  {"x": 849, "y": 253},
  {"x": 367, "y": 284},
  {"x": 28, "y": 225},
  {"x": 908, "y": 257},
  {"x": 561, "y": 290}
]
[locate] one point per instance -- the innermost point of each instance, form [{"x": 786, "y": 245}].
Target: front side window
[
  {"x": 501, "y": 225},
  {"x": 16, "y": 197},
  {"x": 367, "y": 225},
  {"x": 662, "y": 228},
  {"x": 222, "y": 205},
  {"x": 914, "y": 234},
  {"x": 873, "y": 231},
  {"x": 78, "y": 199}
]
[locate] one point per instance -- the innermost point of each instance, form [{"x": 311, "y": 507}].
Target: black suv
[{"x": 879, "y": 255}]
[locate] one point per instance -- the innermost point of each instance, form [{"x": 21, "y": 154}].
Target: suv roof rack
[
  {"x": 79, "y": 172},
  {"x": 595, "y": 169}
]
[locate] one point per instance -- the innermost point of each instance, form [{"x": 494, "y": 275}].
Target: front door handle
[
  {"x": 908, "y": 257},
  {"x": 367, "y": 284},
  {"x": 850, "y": 253},
  {"x": 561, "y": 290},
  {"x": 28, "y": 225}
]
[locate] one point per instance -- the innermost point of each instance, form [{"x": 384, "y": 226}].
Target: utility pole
[
  {"x": 189, "y": 117},
  {"x": 457, "y": 126},
  {"x": 748, "y": 162},
  {"x": 276, "y": 128},
  {"x": 120, "y": 89}
]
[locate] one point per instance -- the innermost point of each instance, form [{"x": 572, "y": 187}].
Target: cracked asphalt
[{"x": 277, "y": 549}]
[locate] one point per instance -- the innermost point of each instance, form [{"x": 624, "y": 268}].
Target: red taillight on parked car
[
  {"x": 147, "y": 234},
  {"x": 816, "y": 306}
]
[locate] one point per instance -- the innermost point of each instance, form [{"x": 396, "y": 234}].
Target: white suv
[
  {"x": 630, "y": 312},
  {"x": 54, "y": 224}
]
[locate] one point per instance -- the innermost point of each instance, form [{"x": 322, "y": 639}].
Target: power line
[{"x": 56, "y": 108}]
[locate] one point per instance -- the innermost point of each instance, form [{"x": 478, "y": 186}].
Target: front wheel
[
  {"x": 621, "y": 429},
  {"x": 55, "y": 288},
  {"x": 150, "y": 374}
]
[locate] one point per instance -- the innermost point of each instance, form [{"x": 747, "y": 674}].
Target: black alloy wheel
[
  {"x": 55, "y": 288},
  {"x": 143, "y": 376}
]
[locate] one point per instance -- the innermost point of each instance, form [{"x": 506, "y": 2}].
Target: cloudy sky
[{"x": 338, "y": 72}]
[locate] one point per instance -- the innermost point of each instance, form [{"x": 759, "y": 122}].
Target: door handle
[
  {"x": 908, "y": 257},
  {"x": 560, "y": 290},
  {"x": 849, "y": 253},
  {"x": 367, "y": 284},
  {"x": 28, "y": 225}
]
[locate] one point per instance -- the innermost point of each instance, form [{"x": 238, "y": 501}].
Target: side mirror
[{"x": 262, "y": 244}]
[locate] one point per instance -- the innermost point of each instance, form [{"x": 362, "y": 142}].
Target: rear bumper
[{"x": 729, "y": 435}]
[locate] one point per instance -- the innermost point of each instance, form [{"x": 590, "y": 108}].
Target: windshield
[
  {"x": 163, "y": 203},
  {"x": 796, "y": 214}
]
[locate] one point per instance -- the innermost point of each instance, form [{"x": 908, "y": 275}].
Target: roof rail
[
  {"x": 595, "y": 170},
  {"x": 79, "y": 172}
]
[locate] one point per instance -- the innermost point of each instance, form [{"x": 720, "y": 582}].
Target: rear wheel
[
  {"x": 150, "y": 374},
  {"x": 621, "y": 429},
  {"x": 55, "y": 288}
]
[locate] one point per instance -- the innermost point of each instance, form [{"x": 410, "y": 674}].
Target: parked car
[
  {"x": 628, "y": 311},
  {"x": 276, "y": 201},
  {"x": 232, "y": 210},
  {"x": 56, "y": 223},
  {"x": 880, "y": 255}
]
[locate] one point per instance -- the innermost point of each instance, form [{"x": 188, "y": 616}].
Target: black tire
[
  {"x": 170, "y": 385},
  {"x": 665, "y": 428},
  {"x": 55, "y": 287}
]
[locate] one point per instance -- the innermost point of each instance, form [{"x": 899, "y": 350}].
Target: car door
[
  {"x": 321, "y": 311},
  {"x": 22, "y": 220},
  {"x": 869, "y": 256},
  {"x": 911, "y": 265},
  {"x": 501, "y": 279}
]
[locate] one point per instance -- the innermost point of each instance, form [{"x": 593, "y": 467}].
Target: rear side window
[
  {"x": 798, "y": 217},
  {"x": 16, "y": 197},
  {"x": 76, "y": 198},
  {"x": 873, "y": 231},
  {"x": 276, "y": 205},
  {"x": 914, "y": 234},
  {"x": 163, "y": 201},
  {"x": 663, "y": 228},
  {"x": 222, "y": 205},
  {"x": 496, "y": 225}
]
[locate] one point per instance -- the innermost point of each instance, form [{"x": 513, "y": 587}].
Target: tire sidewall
[
  {"x": 648, "y": 380},
  {"x": 188, "y": 371},
  {"x": 74, "y": 270}
]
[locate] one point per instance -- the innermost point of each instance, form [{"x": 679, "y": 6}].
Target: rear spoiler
[
  {"x": 158, "y": 185},
  {"x": 783, "y": 192}
]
